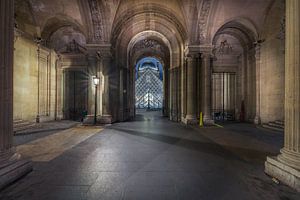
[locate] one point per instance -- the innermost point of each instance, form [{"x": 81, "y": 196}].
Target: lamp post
[{"x": 96, "y": 81}]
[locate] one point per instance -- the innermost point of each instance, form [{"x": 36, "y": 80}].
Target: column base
[
  {"x": 257, "y": 120},
  {"x": 283, "y": 172},
  {"x": 89, "y": 120},
  {"x": 13, "y": 170},
  {"x": 105, "y": 119},
  {"x": 190, "y": 120},
  {"x": 43, "y": 118},
  {"x": 208, "y": 122},
  {"x": 174, "y": 118},
  {"x": 37, "y": 119}
]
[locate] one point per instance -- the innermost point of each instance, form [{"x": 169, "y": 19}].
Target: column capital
[
  {"x": 206, "y": 55},
  {"x": 198, "y": 49},
  {"x": 103, "y": 51},
  {"x": 92, "y": 56},
  {"x": 192, "y": 52}
]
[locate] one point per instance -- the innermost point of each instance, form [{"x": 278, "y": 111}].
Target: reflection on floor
[
  {"x": 153, "y": 158},
  {"x": 47, "y": 148}
]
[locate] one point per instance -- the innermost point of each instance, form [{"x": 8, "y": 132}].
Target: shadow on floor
[{"x": 208, "y": 147}]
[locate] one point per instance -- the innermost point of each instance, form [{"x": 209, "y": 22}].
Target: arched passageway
[{"x": 215, "y": 65}]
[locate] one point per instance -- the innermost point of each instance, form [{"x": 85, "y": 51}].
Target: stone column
[
  {"x": 12, "y": 166},
  {"x": 59, "y": 90},
  {"x": 206, "y": 87},
  {"x": 183, "y": 91},
  {"x": 257, "y": 69},
  {"x": 166, "y": 91},
  {"x": 286, "y": 166},
  {"x": 171, "y": 95},
  {"x": 191, "y": 89}
]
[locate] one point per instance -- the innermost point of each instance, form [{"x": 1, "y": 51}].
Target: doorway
[{"x": 224, "y": 96}]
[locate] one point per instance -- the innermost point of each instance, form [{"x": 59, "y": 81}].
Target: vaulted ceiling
[{"x": 103, "y": 21}]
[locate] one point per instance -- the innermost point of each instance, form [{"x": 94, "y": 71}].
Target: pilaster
[{"x": 258, "y": 89}]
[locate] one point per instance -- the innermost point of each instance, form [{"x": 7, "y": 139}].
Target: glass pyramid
[{"x": 148, "y": 89}]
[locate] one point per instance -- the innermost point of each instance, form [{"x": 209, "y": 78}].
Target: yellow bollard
[{"x": 201, "y": 119}]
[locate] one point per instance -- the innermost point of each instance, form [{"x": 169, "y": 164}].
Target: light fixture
[{"x": 96, "y": 80}]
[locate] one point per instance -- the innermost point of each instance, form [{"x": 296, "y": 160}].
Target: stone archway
[
  {"x": 148, "y": 44},
  {"x": 132, "y": 39}
]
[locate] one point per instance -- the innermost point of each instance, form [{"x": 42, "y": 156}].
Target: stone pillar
[
  {"x": 166, "y": 92},
  {"x": 191, "y": 110},
  {"x": 93, "y": 70},
  {"x": 257, "y": 69},
  {"x": 183, "y": 90},
  {"x": 206, "y": 87},
  {"x": 12, "y": 166},
  {"x": 106, "y": 117},
  {"x": 171, "y": 94},
  {"x": 286, "y": 166}
]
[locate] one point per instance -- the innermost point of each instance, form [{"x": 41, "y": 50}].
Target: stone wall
[
  {"x": 34, "y": 81},
  {"x": 272, "y": 66}
]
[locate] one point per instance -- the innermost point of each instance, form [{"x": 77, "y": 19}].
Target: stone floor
[
  {"x": 153, "y": 158},
  {"x": 42, "y": 130}
]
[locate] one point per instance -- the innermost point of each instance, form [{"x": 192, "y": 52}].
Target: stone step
[
  {"x": 21, "y": 125},
  {"x": 274, "y": 124},
  {"x": 279, "y": 122},
  {"x": 267, "y": 126},
  {"x": 17, "y": 121},
  {"x": 22, "y": 128}
]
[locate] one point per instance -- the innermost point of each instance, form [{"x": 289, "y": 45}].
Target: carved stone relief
[
  {"x": 204, "y": 14},
  {"x": 150, "y": 44},
  {"x": 281, "y": 34},
  {"x": 96, "y": 20}
]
